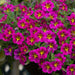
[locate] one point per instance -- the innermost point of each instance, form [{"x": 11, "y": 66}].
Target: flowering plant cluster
[{"x": 43, "y": 34}]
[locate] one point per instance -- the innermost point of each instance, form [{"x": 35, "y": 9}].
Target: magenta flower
[
  {"x": 33, "y": 56},
  {"x": 42, "y": 52},
  {"x": 34, "y": 30},
  {"x": 30, "y": 40},
  {"x": 56, "y": 65},
  {"x": 72, "y": 56},
  {"x": 47, "y": 6},
  {"x": 23, "y": 8},
  {"x": 9, "y": 31},
  {"x": 60, "y": 57},
  {"x": 18, "y": 38},
  {"x": 72, "y": 41},
  {"x": 63, "y": 34},
  {"x": 49, "y": 35},
  {"x": 40, "y": 36},
  {"x": 54, "y": 24},
  {"x": 24, "y": 49},
  {"x": 17, "y": 53},
  {"x": 22, "y": 24},
  {"x": 66, "y": 48},
  {"x": 71, "y": 18},
  {"x": 71, "y": 69},
  {"x": 22, "y": 59},
  {"x": 63, "y": 6},
  {"x": 6, "y": 37},
  {"x": 52, "y": 45},
  {"x": 39, "y": 14},
  {"x": 52, "y": 15},
  {"x": 72, "y": 32},
  {"x": 62, "y": 0},
  {"x": 47, "y": 67},
  {"x": 9, "y": 7},
  {"x": 8, "y": 51}
]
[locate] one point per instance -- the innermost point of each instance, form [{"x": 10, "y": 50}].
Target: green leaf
[{"x": 1, "y": 15}]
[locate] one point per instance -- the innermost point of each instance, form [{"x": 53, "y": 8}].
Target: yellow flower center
[
  {"x": 7, "y": 10},
  {"x": 39, "y": 14},
  {"x": 35, "y": 56},
  {"x": 23, "y": 24},
  {"x": 23, "y": 9},
  {"x": 71, "y": 69},
  {"x": 45, "y": 29},
  {"x": 56, "y": 64},
  {"x": 9, "y": 32},
  {"x": 9, "y": 49},
  {"x": 41, "y": 52},
  {"x": 49, "y": 36},
  {"x": 17, "y": 38},
  {"x": 27, "y": 21},
  {"x": 51, "y": 45},
  {"x": 73, "y": 54},
  {"x": 62, "y": 42},
  {"x": 55, "y": 23},
  {"x": 47, "y": 6},
  {"x": 51, "y": 17},
  {"x": 62, "y": 35},
  {"x": 25, "y": 50},
  {"x": 16, "y": 8},
  {"x": 60, "y": 28},
  {"x": 48, "y": 67},
  {"x": 34, "y": 31},
  {"x": 63, "y": 7},
  {"x": 74, "y": 42},
  {"x": 32, "y": 40},
  {"x": 31, "y": 26},
  {"x": 60, "y": 58},
  {"x": 66, "y": 48},
  {"x": 72, "y": 20},
  {"x": 40, "y": 36}
]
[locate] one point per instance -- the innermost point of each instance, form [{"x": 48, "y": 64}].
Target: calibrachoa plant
[{"x": 43, "y": 33}]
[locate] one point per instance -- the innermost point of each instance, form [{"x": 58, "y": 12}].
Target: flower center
[
  {"x": 31, "y": 26},
  {"x": 9, "y": 32},
  {"x": 39, "y": 14},
  {"x": 42, "y": 52},
  {"x": 48, "y": 67},
  {"x": 66, "y": 48},
  {"x": 56, "y": 64},
  {"x": 55, "y": 23},
  {"x": 40, "y": 36},
  {"x": 51, "y": 17},
  {"x": 71, "y": 69},
  {"x": 47, "y": 6},
  {"x": 51, "y": 45},
  {"x": 60, "y": 58},
  {"x": 23, "y": 9},
  {"x": 17, "y": 38},
  {"x": 25, "y": 50},
  {"x": 35, "y": 56},
  {"x": 32, "y": 40},
  {"x": 73, "y": 54},
  {"x": 9, "y": 49},
  {"x": 63, "y": 7},
  {"x": 62, "y": 35},
  {"x": 49, "y": 36},
  {"x": 74, "y": 42},
  {"x": 60, "y": 28},
  {"x": 23, "y": 24},
  {"x": 72, "y": 20}
]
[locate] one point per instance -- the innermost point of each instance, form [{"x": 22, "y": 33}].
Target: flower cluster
[{"x": 45, "y": 36}]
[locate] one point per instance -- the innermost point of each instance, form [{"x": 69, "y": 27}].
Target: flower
[
  {"x": 49, "y": 35},
  {"x": 71, "y": 19},
  {"x": 52, "y": 45},
  {"x": 30, "y": 40},
  {"x": 63, "y": 34},
  {"x": 23, "y": 8},
  {"x": 18, "y": 38},
  {"x": 60, "y": 57},
  {"x": 42, "y": 52},
  {"x": 56, "y": 65},
  {"x": 47, "y": 67},
  {"x": 22, "y": 59},
  {"x": 33, "y": 56},
  {"x": 71, "y": 69},
  {"x": 22, "y": 24},
  {"x": 47, "y": 5},
  {"x": 39, "y": 14},
  {"x": 66, "y": 48},
  {"x": 72, "y": 56},
  {"x": 8, "y": 51}
]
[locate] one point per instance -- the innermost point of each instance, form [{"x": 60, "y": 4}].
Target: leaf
[{"x": 1, "y": 15}]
